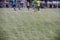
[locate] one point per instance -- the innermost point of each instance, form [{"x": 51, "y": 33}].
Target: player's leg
[
  {"x": 14, "y": 7},
  {"x": 38, "y": 8},
  {"x": 35, "y": 8},
  {"x": 28, "y": 7},
  {"x": 19, "y": 6}
]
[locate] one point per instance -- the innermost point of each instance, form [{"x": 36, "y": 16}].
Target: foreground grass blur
[{"x": 28, "y": 25}]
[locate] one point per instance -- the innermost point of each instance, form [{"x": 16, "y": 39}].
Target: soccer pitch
[{"x": 28, "y": 25}]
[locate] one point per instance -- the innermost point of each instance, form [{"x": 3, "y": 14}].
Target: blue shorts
[{"x": 14, "y": 5}]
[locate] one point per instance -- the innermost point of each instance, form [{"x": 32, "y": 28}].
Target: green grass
[{"x": 28, "y": 25}]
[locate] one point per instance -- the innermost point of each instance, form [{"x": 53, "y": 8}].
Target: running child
[
  {"x": 28, "y": 5},
  {"x": 14, "y": 4},
  {"x": 38, "y": 4},
  {"x": 35, "y": 5},
  {"x": 19, "y": 4}
]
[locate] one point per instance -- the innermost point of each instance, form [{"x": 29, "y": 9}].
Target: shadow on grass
[
  {"x": 3, "y": 34},
  {"x": 58, "y": 33}
]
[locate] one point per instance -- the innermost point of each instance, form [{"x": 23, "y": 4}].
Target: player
[
  {"x": 35, "y": 5},
  {"x": 38, "y": 4},
  {"x": 19, "y": 4},
  {"x": 14, "y": 4},
  {"x": 28, "y": 5}
]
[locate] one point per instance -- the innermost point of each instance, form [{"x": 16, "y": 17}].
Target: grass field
[{"x": 28, "y": 25}]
